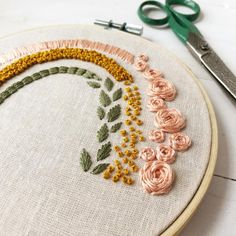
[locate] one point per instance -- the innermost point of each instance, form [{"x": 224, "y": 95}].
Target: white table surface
[{"x": 217, "y": 213}]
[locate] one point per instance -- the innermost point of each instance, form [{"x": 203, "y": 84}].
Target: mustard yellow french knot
[
  {"x": 117, "y": 162},
  {"x": 110, "y": 168},
  {"x": 132, "y": 145},
  {"x": 115, "y": 178},
  {"x": 116, "y": 148},
  {"x": 139, "y": 122},
  {"x": 126, "y": 139},
  {"x": 125, "y": 97},
  {"x": 124, "y": 179},
  {"x": 133, "y": 156},
  {"x": 109, "y": 64},
  {"x": 106, "y": 175},
  {"x": 118, "y": 173},
  {"x": 120, "y": 154},
  {"x": 127, "y": 82},
  {"x": 123, "y": 132},
  {"x": 131, "y": 128},
  {"x": 128, "y": 122},
  {"x": 133, "y": 117},
  {"x": 125, "y": 160},
  {"x": 125, "y": 171},
  {"x": 128, "y": 153},
  {"x": 141, "y": 138},
  {"x": 130, "y": 162},
  {"x": 128, "y": 89},
  {"x": 134, "y": 168},
  {"x": 136, "y": 112},
  {"x": 135, "y": 87},
  {"x": 130, "y": 181}
]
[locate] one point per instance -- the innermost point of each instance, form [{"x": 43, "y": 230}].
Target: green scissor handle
[{"x": 180, "y": 23}]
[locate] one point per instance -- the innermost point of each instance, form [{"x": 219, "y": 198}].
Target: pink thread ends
[
  {"x": 70, "y": 43},
  {"x": 156, "y": 177}
]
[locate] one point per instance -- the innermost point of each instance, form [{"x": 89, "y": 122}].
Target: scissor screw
[{"x": 204, "y": 46}]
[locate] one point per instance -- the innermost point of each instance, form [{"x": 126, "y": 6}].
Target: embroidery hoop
[{"x": 183, "y": 218}]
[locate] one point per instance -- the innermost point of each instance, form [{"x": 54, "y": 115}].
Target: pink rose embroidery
[
  {"x": 166, "y": 154},
  {"x": 142, "y": 57},
  {"x": 169, "y": 120},
  {"x": 156, "y": 177},
  {"x": 155, "y": 104},
  {"x": 140, "y": 65},
  {"x": 163, "y": 89},
  {"x": 157, "y": 136},
  {"x": 148, "y": 154},
  {"x": 180, "y": 141},
  {"x": 152, "y": 74}
]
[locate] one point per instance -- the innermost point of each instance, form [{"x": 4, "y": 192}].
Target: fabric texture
[{"x": 45, "y": 125}]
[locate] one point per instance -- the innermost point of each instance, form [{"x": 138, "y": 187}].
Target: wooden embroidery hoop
[{"x": 188, "y": 212}]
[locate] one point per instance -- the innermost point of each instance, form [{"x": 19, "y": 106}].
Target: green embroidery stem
[{"x": 44, "y": 73}]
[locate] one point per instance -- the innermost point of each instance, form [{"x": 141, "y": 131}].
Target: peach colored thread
[
  {"x": 157, "y": 136},
  {"x": 170, "y": 120},
  {"x": 163, "y": 89},
  {"x": 156, "y": 177},
  {"x": 179, "y": 141},
  {"x": 155, "y": 104},
  {"x": 151, "y": 74},
  {"x": 148, "y": 154},
  {"x": 166, "y": 154},
  {"x": 84, "y": 43},
  {"x": 140, "y": 65}
]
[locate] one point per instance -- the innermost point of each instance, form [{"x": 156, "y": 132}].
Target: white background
[{"x": 217, "y": 213}]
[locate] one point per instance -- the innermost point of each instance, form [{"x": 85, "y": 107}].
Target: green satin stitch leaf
[
  {"x": 27, "y": 80},
  {"x": 55, "y": 70},
  {"x": 95, "y": 77},
  {"x": 117, "y": 94},
  {"x": 114, "y": 113},
  {"x": 36, "y": 76},
  {"x": 80, "y": 71},
  {"x": 115, "y": 127},
  {"x": 93, "y": 84},
  {"x": 102, "y": 133},
  {"x": 62, "y": 69},
  {"x": 101, "y": 113},
  {"x": 85, "y": 160},
  {"x": 108, "y": 84},
  {"x": 72, "y": 70},
  {"x": 104, "y": 151},
  {"x": 104, "y": 99},
  {"x": 44, "y": 73},
  {"x": 88, "y": 74},
  {"x": 100, "y": 168}
]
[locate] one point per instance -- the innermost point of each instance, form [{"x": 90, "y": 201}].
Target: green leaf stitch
[
  {"x": 117, "y": 94},
  {"x": 108, "y": 84},
  {"x": 100, "y": 168},
  {"x": 114, "y": 113},
  {"x": 85, "y": 160},
  {"x": 88, "y": 74},
  {"x": 104, "y": 99},
  {"x": 102, "y": 133},
  {"x": 101, "y": 113},
  {"x": 93, "y": 84},
  {"x": 104, "y": 151},
  {"x": 115, "y": 127}
]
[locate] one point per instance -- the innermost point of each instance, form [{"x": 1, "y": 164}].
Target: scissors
[{"x": 188, "y": 33}]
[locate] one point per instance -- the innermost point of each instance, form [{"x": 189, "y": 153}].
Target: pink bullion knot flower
[
  {"x": 163, "y": 89},
  {"x": 155, "y": 104},
  {"x": 157, "y": 136},
  {"x": 156, "y": 177},
  {"x": 148, "y": 154},
  {"x": 142, "y": 57},
  {"x": 166, "y": 154},
  {"x": 152, "y": 74},
  {"x": 140, "y": 65},
  {"x": 180, "y": 141},
  {"x": 170, "y": 120}
]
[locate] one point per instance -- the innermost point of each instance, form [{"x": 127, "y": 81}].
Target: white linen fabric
[{"x": 44, "y": 126}]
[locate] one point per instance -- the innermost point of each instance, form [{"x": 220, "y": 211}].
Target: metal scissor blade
[{"x": 199, "y": 47}]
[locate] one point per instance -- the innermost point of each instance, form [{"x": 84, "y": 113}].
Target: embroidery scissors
[{"x": 188, "y": 33}]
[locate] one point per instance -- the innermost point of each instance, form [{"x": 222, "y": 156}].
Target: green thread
[
  {"x": 104, "y": 99},
  {"x": 115, "y": 127},
  {"x": 44, "y": 73},
  {"x": 104, "y": 151},
  {"x": 103, "y": 133},
  {"x": 93, "y": 84},
  {"x": 117, "y": 94},
  {"x": 85, "y": 160},
  {"x": 114, "y": 113},
  {"x": 100, "y": 168},
  {"x": 101, "y": 113},
  {"x": 108, "y": 84}
]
